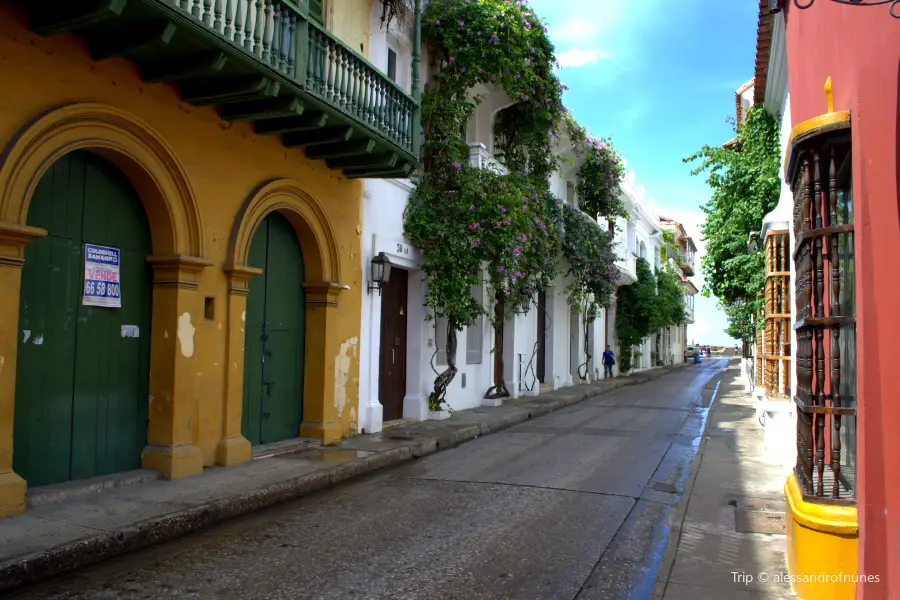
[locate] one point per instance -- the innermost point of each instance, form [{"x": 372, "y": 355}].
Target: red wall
[{"x": 859, "y": 48}]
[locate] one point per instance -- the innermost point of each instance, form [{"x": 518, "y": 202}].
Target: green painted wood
[
  {"x": 307, "y": 122},
  {"x": 204, "y": 92},
  {"x": 339, "y": 149},
  {"x": 383, "y": 160},
  {"x": 112, "y": 373},
  {"x": 215, "y": 63},
  {"x": 58, "y": 17},
  {"x": 81, "y": 388},
  {"x": 253, "y": 336},
  {"x": 316, "y": 12},
  {"x": 122, "y": 42},
  {"x": 286, "y": 331},
  {"x": 327, "y": 135},
  {"x": 167, "y": 71},
  {"x": 269, "y": 108},
  {"x": 275, "y": 337}
]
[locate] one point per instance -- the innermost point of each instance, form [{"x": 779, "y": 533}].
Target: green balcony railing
[{"x": 282, "y": 35}]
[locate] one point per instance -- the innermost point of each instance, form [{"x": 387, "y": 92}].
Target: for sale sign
[{"x": 101, "y": 277}]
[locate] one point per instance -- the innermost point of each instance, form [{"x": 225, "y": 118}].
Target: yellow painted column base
[
  {"x": 822, "y": 542},
  {"x": 12, "y": 495},
  {"x": 327, "y": 433},
  {"x": 174, "y": 462},
  {"x": 233, "y": 451}
]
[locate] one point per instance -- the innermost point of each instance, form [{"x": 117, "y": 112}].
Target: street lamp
[
  {"x": 894, "y": 9},
  {"x": 380, "y": 272}
]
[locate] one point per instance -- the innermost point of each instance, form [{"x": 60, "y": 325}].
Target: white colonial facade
[{"x": 402, "y": 349}]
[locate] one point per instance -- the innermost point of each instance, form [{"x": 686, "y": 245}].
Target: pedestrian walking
[{"x": 609, "y": 359}]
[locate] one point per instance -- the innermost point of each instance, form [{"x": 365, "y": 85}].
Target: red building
[{"x": 858, "y": 48}]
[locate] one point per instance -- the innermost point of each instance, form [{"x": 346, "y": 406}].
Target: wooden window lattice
[
  {"x": 820, "y": 167},
  {"x": 777, "y": 340}
]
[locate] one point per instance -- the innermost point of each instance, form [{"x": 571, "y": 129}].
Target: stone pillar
[
  {"x": 13, "y": 239},
  {"x": 234, "y": 448},
  {"x": 320, "y": 416},
  {"x": 177, "y": 307}
]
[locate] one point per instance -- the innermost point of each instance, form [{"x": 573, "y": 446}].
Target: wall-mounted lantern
[
  {"x": 380, "y": 273},
  {"x": 894, "y": 8}
]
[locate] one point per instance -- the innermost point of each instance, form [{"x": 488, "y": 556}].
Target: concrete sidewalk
[
  {"x": 62, "y": 536},
  {"x": 728, "y": 537}
]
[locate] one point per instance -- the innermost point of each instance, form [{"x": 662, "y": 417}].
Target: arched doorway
[
  {"x": 82, "y": 375},
  {"x": 275, "y": 335}
]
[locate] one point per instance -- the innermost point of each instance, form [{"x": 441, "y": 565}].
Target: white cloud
[
  {"x": 576, "y": 57},
  {"x": 575, "y": 31}
]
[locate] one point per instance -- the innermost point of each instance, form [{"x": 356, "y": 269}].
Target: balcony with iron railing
[{"x": 266, "y": 62}]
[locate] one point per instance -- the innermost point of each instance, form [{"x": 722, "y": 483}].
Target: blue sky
[{"x": 658, "y": 77}]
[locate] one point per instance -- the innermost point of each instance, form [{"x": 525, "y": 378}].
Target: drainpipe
[{"x": 416, "y": 78}]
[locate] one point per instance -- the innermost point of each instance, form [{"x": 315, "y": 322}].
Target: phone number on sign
[{"x": 101, "y": 288}]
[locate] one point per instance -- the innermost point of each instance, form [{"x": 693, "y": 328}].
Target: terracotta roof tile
[{"x": 763, "y": 46}]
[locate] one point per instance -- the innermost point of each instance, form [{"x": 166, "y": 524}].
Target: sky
[{"x": 658, "y": 77}]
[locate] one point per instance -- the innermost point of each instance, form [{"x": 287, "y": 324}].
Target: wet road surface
[{"x": 575, "y": 504}]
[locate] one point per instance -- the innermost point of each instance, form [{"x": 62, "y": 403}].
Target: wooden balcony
[{"x": 259, "y": 61}]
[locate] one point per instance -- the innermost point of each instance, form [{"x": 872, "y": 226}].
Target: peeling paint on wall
[
  {"x": 186, "y": 335},
  {"x": 342, "y": 373},
  {"x": 354, "y": 422}
]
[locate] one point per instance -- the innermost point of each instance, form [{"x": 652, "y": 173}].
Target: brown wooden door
[{"x": 392, "y": 380}]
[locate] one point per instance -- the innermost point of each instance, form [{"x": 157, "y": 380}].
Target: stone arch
[
  {"x": 124, "y": 140},
  {"x": 322, "y": 272},
  {"x": 317, "y": 240},
  {"x": 176, "y": 232}
]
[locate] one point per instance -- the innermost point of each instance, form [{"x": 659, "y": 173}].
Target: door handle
[{"x": 392, "y": 356}]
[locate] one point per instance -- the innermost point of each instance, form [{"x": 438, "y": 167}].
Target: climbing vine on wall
[
  {"x": 636, "y": 313},
  {"x": 466, "y": 219},
  {"x": 590, "y": 253},
  {"x": 600, "y": 174},
  {"x": 670, "y": 298}
]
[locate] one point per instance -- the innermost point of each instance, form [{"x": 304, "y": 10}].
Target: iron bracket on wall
[{"x": 894, "y": 10}]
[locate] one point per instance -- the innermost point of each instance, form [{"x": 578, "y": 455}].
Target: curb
[
  {"x": 668, "y": 558},
  {"x": 39, "y": 566}
]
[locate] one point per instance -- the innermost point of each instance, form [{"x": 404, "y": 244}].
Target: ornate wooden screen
[
  {"x": 819, "y": 168},
  {"x": 777, "y": 337},
  {"x": 759, "y": 357}
]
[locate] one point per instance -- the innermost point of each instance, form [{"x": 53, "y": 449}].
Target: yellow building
[{"x": 180, "y": 209}]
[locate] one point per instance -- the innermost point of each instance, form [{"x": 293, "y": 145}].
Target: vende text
[{"x": 102, "y": 276}]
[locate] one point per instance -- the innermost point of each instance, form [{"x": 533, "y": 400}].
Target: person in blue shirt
[{"x": 609, "y": 359}]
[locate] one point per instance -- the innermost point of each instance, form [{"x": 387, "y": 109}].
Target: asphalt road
[{"x": 575, "y": 504}]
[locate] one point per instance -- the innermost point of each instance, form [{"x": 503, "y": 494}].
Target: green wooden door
[
  {"x": 82, "y": 387},
  {"x": 275, "y": 335}
]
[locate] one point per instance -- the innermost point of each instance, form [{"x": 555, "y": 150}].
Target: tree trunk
[{"x": 437, "y": 399}]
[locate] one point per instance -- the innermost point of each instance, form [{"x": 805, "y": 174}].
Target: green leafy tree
[
  {"x": 745, "y": 185},
  {"x": 670, "y": 298},
  {"x": 637, "y": 313}
]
